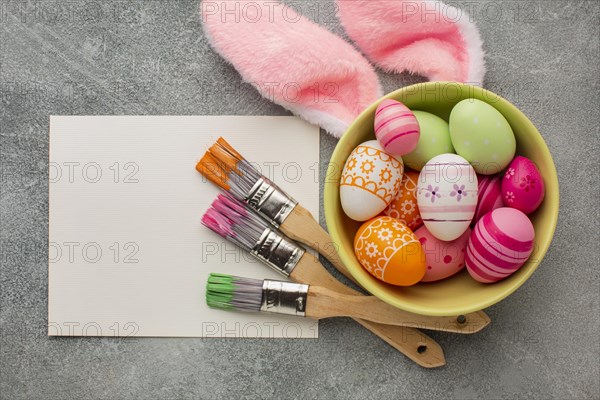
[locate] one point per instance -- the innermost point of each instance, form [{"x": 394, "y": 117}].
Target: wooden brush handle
[
  {"x": 325, "y": 303},
  {"x": 310, "y": 271},
  {"x": 301, "y": 226},
  {"x": 411, "y": 342}
]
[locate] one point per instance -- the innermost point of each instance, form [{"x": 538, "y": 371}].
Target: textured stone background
[{"x": 138, "y": 57}]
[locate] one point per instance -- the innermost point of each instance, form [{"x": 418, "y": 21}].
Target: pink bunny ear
[
  {"x": 292, "y": 61},
  {"x": 428, "y": 38}
]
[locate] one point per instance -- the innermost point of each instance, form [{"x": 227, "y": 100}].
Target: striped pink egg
[
  {"x": 396, "y": 128},
  {"x": 490, "y": 195},
  {"x": 500, "y": 244}
]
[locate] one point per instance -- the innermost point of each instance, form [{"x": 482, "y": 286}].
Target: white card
[{"x": 128, "y": 255}]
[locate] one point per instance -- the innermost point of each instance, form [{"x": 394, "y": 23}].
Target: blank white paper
[{"x": 128, "y": 255}]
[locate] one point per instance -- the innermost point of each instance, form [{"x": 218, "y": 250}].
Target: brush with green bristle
[
  {"x": 228, "y": 292},
  {"x": 234, "y": 293}
]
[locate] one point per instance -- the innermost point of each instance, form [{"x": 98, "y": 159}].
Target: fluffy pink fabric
[
  {"x": 292, "y": 61},
  {"x": 428, "y": 38}
]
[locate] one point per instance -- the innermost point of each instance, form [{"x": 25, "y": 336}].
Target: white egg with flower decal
[
  {"x": 370, "y": 180},
  {"x": 447, "y": 195}
]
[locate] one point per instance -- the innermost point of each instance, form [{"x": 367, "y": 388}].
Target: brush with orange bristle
[{"x": 225, "y": 167}]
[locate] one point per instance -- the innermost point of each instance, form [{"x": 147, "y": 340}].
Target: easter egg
[
  {"x": 490, "y": 195},
  {"x": 390, "y": 251},
  {"x": 523, "y": 185},
  {"x": 396, "y": 127},
  {"x": 433, "y": 140},
  {"x": 447, "y": 196},
  {"x": 482, "y": 135},
  {"x": 499, "y": 245},
  {"x": 404, "y": 206},
  {"x": 443, "y": 259},
  {"x": 370, "y": 180}
]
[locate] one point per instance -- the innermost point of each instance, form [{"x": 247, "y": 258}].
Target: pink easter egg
[
  {"x": 443, "y": 259},
  {"x": 489, "y": 196},
  {"x": 523, "y": 185},
  {"x": 396, "y": 128},
  {"x": 500, "y": 244}
]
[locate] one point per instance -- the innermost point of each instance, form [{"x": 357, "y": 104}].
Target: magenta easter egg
[
  {"x": 443, "y": 259},
  {"x": 490, "y": 195},
  {"x": 523, "y": 185},
  {"x": 500, "y": 244},
  {"x": 396, "y": 128}
]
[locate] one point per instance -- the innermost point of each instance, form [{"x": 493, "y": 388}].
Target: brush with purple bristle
[
  {"x": 230, "y": 219},
  {"x": 235, "y": 222}
]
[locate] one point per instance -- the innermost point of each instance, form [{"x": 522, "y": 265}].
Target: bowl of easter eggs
[{"x": 442, "y": 198}]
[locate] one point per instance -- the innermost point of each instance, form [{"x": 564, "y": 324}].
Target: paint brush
[
  {"x": 227, "y": 168},
  {"x": 229, "y": 292}
]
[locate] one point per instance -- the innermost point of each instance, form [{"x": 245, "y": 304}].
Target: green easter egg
[
  {"x": 433, "y": 141},
  {"x": 482, "y": 135}
]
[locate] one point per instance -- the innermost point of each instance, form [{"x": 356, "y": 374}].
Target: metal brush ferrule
[
  {"x": 277, "y": 251},
  {"x": 270, "y": 201},
  {"x": 284, "y": 297}
]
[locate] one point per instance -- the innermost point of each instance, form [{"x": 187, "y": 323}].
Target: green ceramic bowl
[{"x": 459, "y": 294}]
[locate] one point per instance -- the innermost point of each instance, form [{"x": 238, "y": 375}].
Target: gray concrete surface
[{"x": 121, "y": 57}]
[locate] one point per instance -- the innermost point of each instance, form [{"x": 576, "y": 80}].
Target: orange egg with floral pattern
[
  {"x": 390, "y": 251},
  {"x": 370, "y": 180},
  {"x": 404, "y": 207}
]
